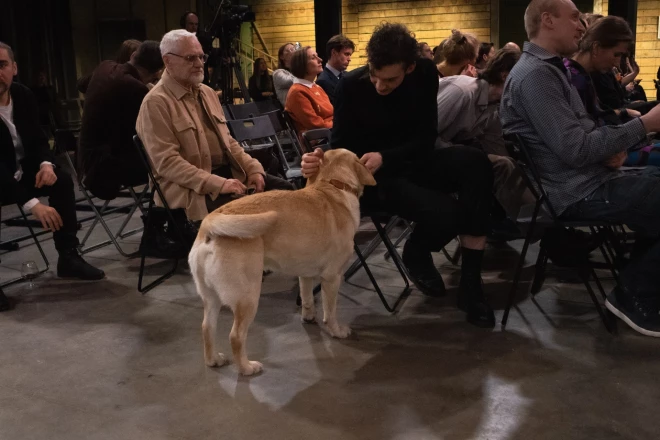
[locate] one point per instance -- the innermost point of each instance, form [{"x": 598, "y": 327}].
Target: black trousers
[
  {"x": 62, "y": 198},
  {"x": 271, "y": 183},
  {"x": 447, "y": 194}
]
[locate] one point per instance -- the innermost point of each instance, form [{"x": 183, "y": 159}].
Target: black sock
[{"x": 471, "y": 265}]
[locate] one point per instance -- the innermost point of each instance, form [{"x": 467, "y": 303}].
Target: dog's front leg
[
  {"x": 308, "y": 312},
  {"x": 329, "y": 291}
]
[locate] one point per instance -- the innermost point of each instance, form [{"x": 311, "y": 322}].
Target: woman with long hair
[
  {"x": 282, "y": 77},
  {"x": 261, "y": 82}
]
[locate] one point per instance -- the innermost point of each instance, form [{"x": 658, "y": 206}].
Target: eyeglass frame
[{"x": 191, "y": 58}]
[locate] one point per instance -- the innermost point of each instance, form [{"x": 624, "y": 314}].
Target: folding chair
[
  {"x": 36, "y": 242},
  {"x": 179, "y": 233},
  {"x": 269, "y": 105},
  {"x": 258, "y": 134},
  {"x": 244, "y": 111},
  {"x": 383, "y": 222},
  {"x": 64, "y": 144},
  {"x": 585, "y": 269}
]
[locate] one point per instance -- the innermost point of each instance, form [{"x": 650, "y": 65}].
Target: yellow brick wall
[
  {"x": 648, "y": 46},
  {"x": 600, "y": 7},
  {"x": 282, "y": 21},
  {"x": 430, "y": 20}
]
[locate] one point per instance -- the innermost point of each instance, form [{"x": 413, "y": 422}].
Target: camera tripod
[{"x": 230, "y": 67}]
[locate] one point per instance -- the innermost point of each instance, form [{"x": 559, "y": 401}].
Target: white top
[
  {"x": 7, "y": 115},
  {"x": 282, "y": 80},
  {"x": 304, "y": 82}
]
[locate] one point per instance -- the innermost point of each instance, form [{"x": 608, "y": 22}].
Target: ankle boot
[
  {"x": 156, "y": 242},
  {"x": 472, "y": 301},
  {"x": 71, "y": 265}
]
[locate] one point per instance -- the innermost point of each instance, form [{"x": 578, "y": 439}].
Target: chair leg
[
  {"x": 390, "y": 308},
  {"x": 539, "y": 273},
  {"x": 371, "y": 247},
  {"x": 584, "y": 273},
  {"x": 36, "y": 242}
]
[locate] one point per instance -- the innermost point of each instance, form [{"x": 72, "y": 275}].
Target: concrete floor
[{"x": 100, "y": 361}]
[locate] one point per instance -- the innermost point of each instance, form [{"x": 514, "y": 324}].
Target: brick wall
[
  {"x": 282, "y": 21},
  {"x": 648, "y": 46}
]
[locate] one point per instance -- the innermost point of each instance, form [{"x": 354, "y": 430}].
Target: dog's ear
[{"x": 364, "y": 175}]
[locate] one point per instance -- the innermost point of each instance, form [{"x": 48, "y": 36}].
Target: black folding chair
[
  {"x": 36, "y": 242},
  {"x": 543, "y": 214},
  {"x": 269, "y": 105},
  {"x": 65, "y": 144},
  {"x": 179, "y": 233},
  {"x": 244, "y": 111},
  {"x": 259, "y": 134}
]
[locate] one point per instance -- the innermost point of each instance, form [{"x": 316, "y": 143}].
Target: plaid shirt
[{"x": 567, "y": 147}]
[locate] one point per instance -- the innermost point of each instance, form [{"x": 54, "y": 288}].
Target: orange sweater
[{"x": 309, "y": 107}]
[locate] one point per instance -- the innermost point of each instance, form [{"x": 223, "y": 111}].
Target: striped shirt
[{"x": 567, "y": 147}]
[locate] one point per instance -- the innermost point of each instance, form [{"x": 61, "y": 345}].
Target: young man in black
[{"x": 386, "y": 113}]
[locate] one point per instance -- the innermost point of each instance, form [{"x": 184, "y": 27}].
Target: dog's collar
[{"x": 343, "y": 186}]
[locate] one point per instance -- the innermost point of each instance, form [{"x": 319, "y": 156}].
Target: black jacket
[
  {"x": 402, "y": 126},
  {"x": 328, "y": 82},
  {"x": 108, "y": 157},
  {"x": 35, "y": 142}
]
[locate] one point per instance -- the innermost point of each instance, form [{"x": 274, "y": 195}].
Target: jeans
[{"x": 633, "y": 200}]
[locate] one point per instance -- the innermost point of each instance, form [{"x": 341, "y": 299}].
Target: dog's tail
[{"x": 239, "y": 225}]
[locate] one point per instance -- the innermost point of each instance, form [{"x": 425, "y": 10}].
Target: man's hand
[
  {"x": 233, "y": 186},
  {"x": 311, "y": 162},
  {"x": 373, "y": 161},
  {"x": 45, "y": 177},
  {"x": 257, "y": 182},
  {"x": 49, "y": 217},
  {"x": 470, "y": 71},
  {"x": 616, "y": 161}
]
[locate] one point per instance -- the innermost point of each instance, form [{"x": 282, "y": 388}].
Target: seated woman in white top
[{"x": 282, "y": 77}]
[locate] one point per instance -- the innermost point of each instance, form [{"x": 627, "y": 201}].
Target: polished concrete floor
[{"x": 98, "y": 360}]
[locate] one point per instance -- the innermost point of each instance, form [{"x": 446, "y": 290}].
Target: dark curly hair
[
  {"x": 500, "y": 63},
  {"x": 391, "y": 43}
]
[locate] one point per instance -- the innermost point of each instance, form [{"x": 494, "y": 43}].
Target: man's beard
[{"x": 197, "y": 78}]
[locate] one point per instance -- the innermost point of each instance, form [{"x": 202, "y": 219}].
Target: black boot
[
  {"x": 71, "y": 265},
  {"x": 422, "y": 271},
  {"x": 156, "y": 242},
  {"x": 5, "y": 304},
  {"x": 471, "y": 298}
]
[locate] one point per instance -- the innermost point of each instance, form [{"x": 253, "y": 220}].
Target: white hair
[{"x": 171, "y": 40}]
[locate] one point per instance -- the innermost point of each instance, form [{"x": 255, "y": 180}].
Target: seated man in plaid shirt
[{"x": 578, "y": 162}]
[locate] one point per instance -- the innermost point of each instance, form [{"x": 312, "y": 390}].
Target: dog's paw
[
  {"x": 217, "y": 361},
  {"x": 338, "y": 330},
  {"x": 253, "y": 367},
  {"x": 308, "y": 316}
]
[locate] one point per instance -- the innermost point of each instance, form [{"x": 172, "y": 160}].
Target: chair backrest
[
  {"x": 276, "y": 119},
  {"x": 317, "y": 138},
  {"x": 534, "y": 184},
  {"x": 251, "y": 128},
  {"x": 146, "y": 161},
  {"x": 269, "y": 105},
  {"x": 244, "y": 111}
]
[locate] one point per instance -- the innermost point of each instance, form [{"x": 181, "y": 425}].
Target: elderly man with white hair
[{"x": 197, "y": 163}]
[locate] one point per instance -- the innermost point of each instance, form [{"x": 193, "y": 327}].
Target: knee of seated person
[{"x": 501, "y": 164}]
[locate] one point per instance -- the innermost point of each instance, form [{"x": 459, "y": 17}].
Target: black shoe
[
  {"x": 5, "y": 304},
  {"x": 472, "y": 301},
  {"x": 162, "y": 246},
  {"x": 71, "y": 265},
  {"x": 422, "y": 271},
  {"x": 641, "y": 314}
]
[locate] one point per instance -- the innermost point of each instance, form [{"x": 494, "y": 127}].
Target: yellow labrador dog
[{"x": 306, "y": 233}]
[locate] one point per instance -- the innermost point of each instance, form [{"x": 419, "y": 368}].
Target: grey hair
[
  {"x": 10, "y": 52},
  {"x": 171, "y": 40}
]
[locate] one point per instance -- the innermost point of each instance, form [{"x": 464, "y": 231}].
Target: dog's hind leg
[
  {"x": 308, "y": 311},
  {"x": 244, "y": 312},
  {"x": 329, "y": 292},
  {"x": 211, "y": 311}
]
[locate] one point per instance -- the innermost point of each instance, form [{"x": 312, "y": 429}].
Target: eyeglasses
[{"x": 192, "y": 58}]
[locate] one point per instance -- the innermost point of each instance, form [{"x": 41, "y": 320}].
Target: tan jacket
[{"x": 173, "y": 135}]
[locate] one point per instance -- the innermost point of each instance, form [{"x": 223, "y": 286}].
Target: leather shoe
[
  {"x": 472, "y": 301},
  {"x": 71, "y": 265},
  {"x": 5, "y": 304},
  {"x": 422, "y": 271}
]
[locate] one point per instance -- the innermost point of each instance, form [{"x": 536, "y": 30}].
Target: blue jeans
[{"x": 633, "y": 200}]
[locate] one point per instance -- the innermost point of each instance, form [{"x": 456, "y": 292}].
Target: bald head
[
  {"x": 511, "y": 46},
  {"x": 535, "y": 11}
]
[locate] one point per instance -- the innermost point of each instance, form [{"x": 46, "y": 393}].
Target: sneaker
[
  {"x": 640, "y": 313},
  {"x": 422, "y": 271}
]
